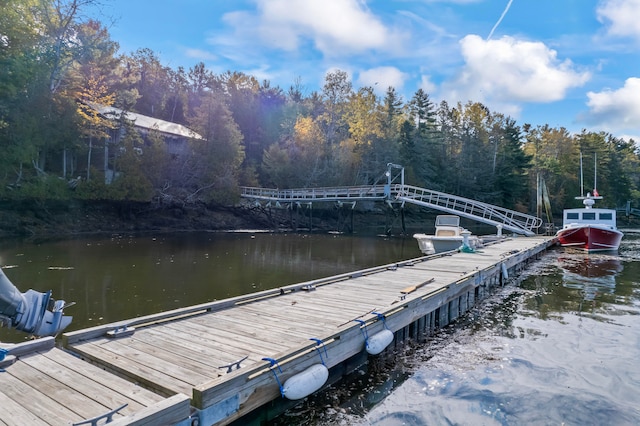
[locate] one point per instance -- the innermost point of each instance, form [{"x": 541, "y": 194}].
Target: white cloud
[
  {"x": 453, "y": 1},
  {"x": 615, "y": 110},
  {"x": 508, "y": 71},
  {"x": 200, "y": 55},
  {"x": 622, "y": 17},
  {"x": 381, "y": 78},
  {"x": 334, "y": 27},
  {"x": 427, "y": 85}
]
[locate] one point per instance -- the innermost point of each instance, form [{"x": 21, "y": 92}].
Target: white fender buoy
[
  {"x": 505, "y": 273},
  {"x": 379, "y": 341},
  {"x": 306, "y": 382}
]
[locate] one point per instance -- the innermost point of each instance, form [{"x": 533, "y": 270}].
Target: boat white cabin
[{"x": 449, "y": 236}]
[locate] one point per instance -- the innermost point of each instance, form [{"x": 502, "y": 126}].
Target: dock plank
[
  {"x": 16, "y": 414},
  {"x": 24, "y": 390},
  {"x": 292, "y": 312},
  {"x": 316, "y": 305},
  {"x": 59, "y": 390},
  {"x": 292, "y": 320},
  {"x": 147, "y": 375},
  {"x": 110, "y": 381},
  {"x": 344, "y": 299},
  {"x": 232, "y": 339},
  {"x": 263, "y": 323},
  {"x": 358, "y": 297},
  {"x": 89, "y": 389},
  {"x": 171, "y": 363},
  {"x": 190, "y": 346},
  {"x": 164, "y": 362},
  {"x": 319, "y": 308}
]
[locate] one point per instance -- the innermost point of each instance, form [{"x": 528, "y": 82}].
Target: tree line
[{"x": 55, "y": 64}]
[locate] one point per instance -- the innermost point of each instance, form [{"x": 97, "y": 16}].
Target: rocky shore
[
  {"x": 69, "y": 218},
  {"x": 74, "y": 218}
]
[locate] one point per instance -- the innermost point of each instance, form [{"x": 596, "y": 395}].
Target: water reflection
[
  {"x": 125, "y": 276},
  {"x": 590, "y": 273}
]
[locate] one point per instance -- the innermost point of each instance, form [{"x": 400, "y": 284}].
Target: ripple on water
[
  {"x": 579, "y": 372},
  {"x": 559, "y": 348}
]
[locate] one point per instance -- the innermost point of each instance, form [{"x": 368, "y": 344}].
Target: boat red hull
[{"x": 590, "y": 238}]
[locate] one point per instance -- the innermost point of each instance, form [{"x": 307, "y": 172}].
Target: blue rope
[
  {"x": 274, "y": 362},
  {"x": 318, "y": 343},
  {"x": 382, "y": 318},
  {"x": 363, "y": 329},
  {"x": 3, "y": 352}
]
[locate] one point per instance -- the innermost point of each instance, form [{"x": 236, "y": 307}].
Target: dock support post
[
  {"x": 352, "y": 225},
  {"x": 422, "y": 326},
  {"x": 293, "y": 216}
]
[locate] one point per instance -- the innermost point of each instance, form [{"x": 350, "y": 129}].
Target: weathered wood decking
[
  {"x": 44, "y": 385},
  {"x": 189, "y": 351}
]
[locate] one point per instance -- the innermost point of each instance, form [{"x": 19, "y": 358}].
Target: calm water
[
  {"x": 560, "y": 347},
  {"x": 121, "y": 277}
]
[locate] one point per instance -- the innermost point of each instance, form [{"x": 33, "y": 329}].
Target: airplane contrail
[{"x": 506, "y": 9}]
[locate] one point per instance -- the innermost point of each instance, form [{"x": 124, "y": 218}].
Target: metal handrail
[
  {"x": 476, "y": 210},
  {"x": 472, "y": 209},
  {"x": 341, "y": 193}
]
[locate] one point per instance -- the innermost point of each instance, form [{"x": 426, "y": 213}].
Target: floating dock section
[{"x": 217, "y": 362}]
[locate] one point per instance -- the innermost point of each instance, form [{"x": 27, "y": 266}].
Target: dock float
[{"x": 217, "y": 362}]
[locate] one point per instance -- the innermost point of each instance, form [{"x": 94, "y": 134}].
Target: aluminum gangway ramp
[{"x": 511, "y": 220}]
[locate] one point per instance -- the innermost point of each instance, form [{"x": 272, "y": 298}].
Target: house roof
[{"x": 146, "y": 122}]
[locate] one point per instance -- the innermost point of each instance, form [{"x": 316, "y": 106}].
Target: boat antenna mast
[
  {"x": 589, "y": 199},
  {"x": 595, "y": 176},
  {"x": 581, "y": 178}
]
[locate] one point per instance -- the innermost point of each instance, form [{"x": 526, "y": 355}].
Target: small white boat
[{"x": 449, "y": 236}]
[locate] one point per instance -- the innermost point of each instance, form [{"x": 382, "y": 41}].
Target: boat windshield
[
  {"x": 590, "y": 215},
  {"x": 447, "y": 220}
]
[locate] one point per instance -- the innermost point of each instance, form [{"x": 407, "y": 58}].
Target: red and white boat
[{"x": 589, "y": 228}]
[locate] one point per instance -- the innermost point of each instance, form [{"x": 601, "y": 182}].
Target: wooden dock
[{"x": 206, "y": 365}]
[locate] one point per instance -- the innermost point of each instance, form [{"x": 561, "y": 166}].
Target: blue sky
[{"x": 566, "y": 63}]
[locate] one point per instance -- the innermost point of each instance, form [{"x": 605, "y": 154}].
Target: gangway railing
[
  {"x": 628, "y": 210},
  {"x": 510, "y": 220},
  {"x": 487, "y": 213},
  {"x": 340, "y": 193}
]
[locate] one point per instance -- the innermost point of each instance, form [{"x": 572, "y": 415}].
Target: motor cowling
[{"x": 32, "y": 312}]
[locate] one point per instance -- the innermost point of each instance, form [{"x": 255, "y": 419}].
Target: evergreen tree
[
  {"x": 426, "y": 158},
  {"x": 510, "y": 165}
]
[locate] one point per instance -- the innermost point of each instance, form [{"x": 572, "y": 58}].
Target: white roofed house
[{"x": 174, "y": 135}]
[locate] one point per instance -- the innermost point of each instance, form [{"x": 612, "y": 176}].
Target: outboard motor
[{"x": 32, "y": 312}]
